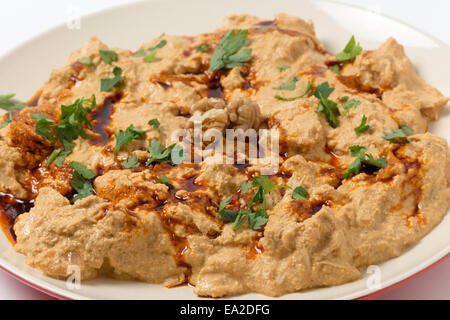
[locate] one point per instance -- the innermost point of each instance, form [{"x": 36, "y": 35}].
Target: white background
[{"x": 20, "y": 20}]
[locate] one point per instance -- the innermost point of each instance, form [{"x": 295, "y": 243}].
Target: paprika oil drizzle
[{"x": 10, "y": 209}]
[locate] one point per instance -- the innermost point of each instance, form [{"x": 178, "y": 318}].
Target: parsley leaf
[
  {"x": 379, "y": 163},
  {"x": 359, "y": 152},
  {"x": 407, "y": 130},
  {"x": 82, "y": 170},
  {"x": 173, "y": 154},
  {"x": 61, "y": 157},
  {"x": 71, "y": 125},
  {"x": 81, "y": 180},
  {"x": 363, "y": 127},
  {"x": 300, "y": 193},
  {"x": 283, "y": 67},
  {"x": 151, "y": 56},
  {"x": 258, "y": 219},
  {"x": 227, "y": 55},
  {"x": 125, "y": 137},
  {"x": 108, "y": 56},
  {"x": 326, "y": 106},
  {"x": 266, "y": 184},
  {"x": 141, "y": 53},
  {"x": 348, "y": 104},
  {"x": 69, "y": 128},
  {"x": 44, "y": 126},
  {"x": 335, "y": 68},
  {"x": 160, "y": 45},
  {"x": 245, "y": 186},
  {"x": 323, "y": 90},
  {"x": 9, "y": 104},
  {"x": 288, "y": 86},
  {"x": 107, "y": 84},
  {"x": 155, "y": 124},
  {"x": 131, "y": 162},
  {"x": 164, "y": 180},
  {"x": 86, "y": 61},
  {"x": 224, "y": 202},
  {"x": 329, "y": 108},
  {"x": 351, "y": 51},
  {"x": 204, "y": 47},
  {"x": 399, "y": 136},
  {"x": 53, "y": 156},
  {"x": 226, "y": 215},
  {"x": 353, "y": 169},
  {"x": 309, "y": 87},
  {"x": 7, "y": 121},
  {"x": 241, "y": 217}
]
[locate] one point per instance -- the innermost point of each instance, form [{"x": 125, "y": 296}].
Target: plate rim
[{"x": 386, "y": 286}]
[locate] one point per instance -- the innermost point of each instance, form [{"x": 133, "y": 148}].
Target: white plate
[{"x": 26, "y": 68}]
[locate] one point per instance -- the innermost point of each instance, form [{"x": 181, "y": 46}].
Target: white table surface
[{"x": 20, "y": 20}]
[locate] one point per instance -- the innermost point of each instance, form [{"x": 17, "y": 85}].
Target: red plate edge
[
  {"x": 34, "y": 286},
  {"x": 370, "y": 296},
  {"x": 398, "y": 284}
]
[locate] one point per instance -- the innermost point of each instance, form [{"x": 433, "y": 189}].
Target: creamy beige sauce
[{"x": 134, "y": 228}]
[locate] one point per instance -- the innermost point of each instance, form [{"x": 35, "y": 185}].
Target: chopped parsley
[
  {"x": 300, "y": 193},
  {"x": 155, "y": 124},
  {"x": 348, "y": 104},
  {"x": 150, "y": 53},
  {"x": 69, "y": 128},
  {"x": 53, "y": 156},
  {"x": 125, "y": 137},
  {"x": 108, "y": 56},
  {"x": 44, "y": 126},
  {"x": 326, "y": 106},
  {"x": 164, "y": 180},
  {"x": 7, "y": 121},
  {"x": 343, "y": 98},
  {"x": 323, "y": 90},
  {"x": 288, "y": 86},
  {"x": 363, "y": 127},
  {"x": 227, "y": 55},
  {"x": 331, "y": 111},
  {"x": 309, "y": 88},
  {"x": 335, "y": 68},
  {"x": 351, "y": 51},
  {"x": 204, "y": 47},
  {"x": 141, "y": 53},
  {"x": 131, "y": 162},
  {"x": 256, "y": 219},
  {"x": 399, "y": 136},
  {"x": 7, "y": 102},
  {"x": 81, "y": 180},
  {"x": 359, "y": 152},
  {"x": 86, "y": 61},
  {"x": 226, "y": 215},
  {"x": 173, "y": 154},
  {"x": 283, "y": 67},
  {"x": 107, "y": 84},
  {"x": 61, "y": 156}
]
